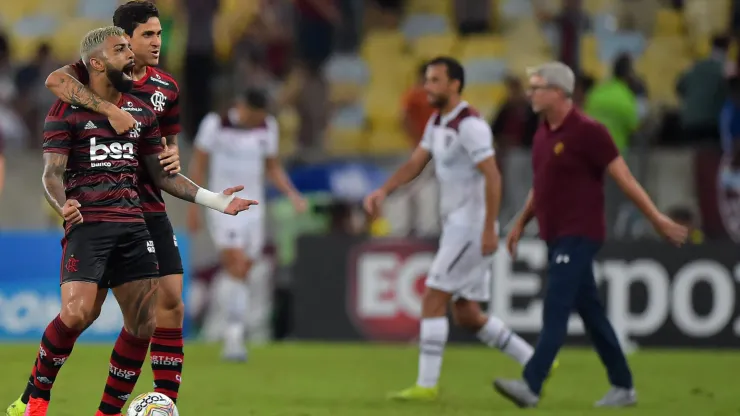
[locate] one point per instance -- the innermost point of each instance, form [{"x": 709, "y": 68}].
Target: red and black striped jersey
[
  {"x": 159, "y": 90},
  {"x": 102, "y": 165}
]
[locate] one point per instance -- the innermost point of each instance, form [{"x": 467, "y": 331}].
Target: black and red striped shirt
[
  {"x": 102, "y": 166},
  {"x": 159, "y": 90}
]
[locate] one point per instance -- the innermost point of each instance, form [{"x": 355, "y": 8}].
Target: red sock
[
  {"x": 167, "y": 356},
  {"x": 124, "y": 368},
  {"x": 56, "y": 346}
]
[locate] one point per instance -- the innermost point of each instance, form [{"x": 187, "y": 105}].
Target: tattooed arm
[
  {"x": 53, "y": 178},
  {"x": 65, "y": 84},
  {"x": 176, "y": 185}
]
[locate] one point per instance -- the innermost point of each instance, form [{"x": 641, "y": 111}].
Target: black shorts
[
  {"x": 165, "y": 243},
  {"x": 108, "y": 254}
]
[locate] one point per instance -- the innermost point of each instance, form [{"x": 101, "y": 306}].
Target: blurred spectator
[
  {"x": 306, "y": 88},
  {"x": 472, "y": 16},
  {"x": 702, "y": 92},
  {"x": 389, "y": 12},
  {"x": 199, "y": 60},
  {"x": 686, "y": 217},
  {"x": 568, "y": 26},
  {"x": 613, "y": 103},
  {"x": 7, "y": 88},
  {"x": 416, "y": 109},
  {"x": 516, "y": 122},
  {"x": 638, "y": 15},
  {"x": 584, "y": 83},
  {"x": 33, "y": 100}
]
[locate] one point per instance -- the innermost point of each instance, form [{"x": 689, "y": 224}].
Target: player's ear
[{"x": 97, "y": 64}]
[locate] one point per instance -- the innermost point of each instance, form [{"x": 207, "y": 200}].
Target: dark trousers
[{"x": 571, "y": 285}]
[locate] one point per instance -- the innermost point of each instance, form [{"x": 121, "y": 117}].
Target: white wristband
[{"x": 212, "y": 200}]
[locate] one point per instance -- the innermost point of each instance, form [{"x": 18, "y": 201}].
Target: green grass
[{"x": 352, "y": 380}]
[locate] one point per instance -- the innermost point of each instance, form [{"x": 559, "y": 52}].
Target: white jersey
[
  {"x": 458, "y": 141},
  {"x": 237, "y": 155}
]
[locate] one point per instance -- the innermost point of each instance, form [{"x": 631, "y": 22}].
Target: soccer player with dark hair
[
  {"x": 570, "y": 155},
  {"x": 461, "y": 144},
  {"x": 90, "y": 178},
  {"x": 239, "y": 145},
  {"x": 159, "y": 90}
]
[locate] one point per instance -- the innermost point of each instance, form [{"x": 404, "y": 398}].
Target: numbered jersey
[
  {"x": 458, "y": 141},
  {"x": 237, "y": 154},
  {"x": 102, "y": 165},
  {"x": 159, "y": 90}
]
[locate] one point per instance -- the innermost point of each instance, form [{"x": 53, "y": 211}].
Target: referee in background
[{"x": 570, "y": 154}]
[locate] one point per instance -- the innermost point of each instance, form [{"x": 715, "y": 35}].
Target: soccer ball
[{"x": 152, "y": 404}]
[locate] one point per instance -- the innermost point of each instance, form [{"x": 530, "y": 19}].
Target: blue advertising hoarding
[{"x": 29, "y": 287}]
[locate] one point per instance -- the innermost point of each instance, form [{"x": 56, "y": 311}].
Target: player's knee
[
  {"x": 78, "y": 315},
  {"x": 171, "y": 306},
  {"x": 434, "y": 303}
]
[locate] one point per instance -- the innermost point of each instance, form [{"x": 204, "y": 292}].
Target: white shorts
[
  {"x": 459, "y": 268},
  {"x": 241, "y": 231}
]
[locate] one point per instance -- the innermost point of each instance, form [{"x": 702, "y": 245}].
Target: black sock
[{"x": 29, "y": 388}]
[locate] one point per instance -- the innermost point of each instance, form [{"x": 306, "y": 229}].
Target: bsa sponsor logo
[{"x": 387, "y": 281}]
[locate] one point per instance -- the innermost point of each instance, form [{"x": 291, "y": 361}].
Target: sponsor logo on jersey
[
  {"x": 100, "y": 153},
  {"x": 158, "y": 79}
]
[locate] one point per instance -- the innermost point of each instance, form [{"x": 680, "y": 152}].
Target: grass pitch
[{"x": 299, "y": 379}]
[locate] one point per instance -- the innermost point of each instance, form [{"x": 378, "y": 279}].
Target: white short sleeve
[
  {"x": 205, "y": 139},
  {"x": 426, "y": 138},
  {"x": 477, "y": 139},
  {"x": 273, "y": 137}
]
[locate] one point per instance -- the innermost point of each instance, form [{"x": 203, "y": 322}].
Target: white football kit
[
  {"x": 237, "y": 157},
  {"x": 458, "y": 141}
]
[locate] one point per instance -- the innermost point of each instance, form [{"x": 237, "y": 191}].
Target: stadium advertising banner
[
  {"x": 29, "y": 288},
  {"x": 656, "y": 295}
]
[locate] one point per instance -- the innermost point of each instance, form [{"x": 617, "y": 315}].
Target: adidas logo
[{"x": 90, "y": 125}]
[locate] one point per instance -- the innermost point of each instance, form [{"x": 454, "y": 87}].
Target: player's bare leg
[
  {"x": 167, "y": 341},
  {"x": 432, "y": 340},
  {"x": 18, "y": 407},
  {"x": 77, "y": 313},
  {"x": 491, "y": 330},
  {"x": 137, "y": 300},
  {"x": 237, "y": 265}
]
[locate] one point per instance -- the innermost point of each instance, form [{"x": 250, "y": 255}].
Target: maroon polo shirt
[{"x": 569, "y": 163}]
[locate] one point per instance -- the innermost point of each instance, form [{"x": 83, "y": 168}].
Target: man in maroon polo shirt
[{"x": 570, "y": 155}]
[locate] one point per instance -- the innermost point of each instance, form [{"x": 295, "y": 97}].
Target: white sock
[
  {"x": 238, "y": 302},
  {"x": 432, "y": 342},
  {"x": 496, "y": 334}
]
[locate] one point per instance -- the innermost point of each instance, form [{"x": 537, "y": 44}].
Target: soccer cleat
[
  {"x": 416, "y": 393},
  {"x": 36, "y": 407},
  {"x": 517, "y": 391},
  {"x": 618, "y": 397},
  {"x": 17, "y": 408}
]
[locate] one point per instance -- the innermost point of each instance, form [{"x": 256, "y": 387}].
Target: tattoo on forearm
[
  {"x": 75, "y": 93},
  {"x": 176, "y": 185},
  {"x": 137, "y": 301},
  {"x": 53, "y": 179}
]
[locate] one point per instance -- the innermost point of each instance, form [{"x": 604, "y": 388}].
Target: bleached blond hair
[{"x": 95, "y": 38}]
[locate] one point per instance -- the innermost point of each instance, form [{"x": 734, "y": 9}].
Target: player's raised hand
[
  {"x": 238, "y": 205},
  {"x": 374, "y": 201},
  {"x": 512, "y": 239},
  {"x": 670, "y": 230},
  {"x": 233, "y": 190},
  {"x": 170, "y": 158},
  {"x": 489, "y": 242},
  {"x": 71, "y": 212},
  {"x": 121, "y": 120}
]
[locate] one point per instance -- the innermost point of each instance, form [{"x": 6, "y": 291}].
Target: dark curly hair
[{"x": 134, "y": 13}]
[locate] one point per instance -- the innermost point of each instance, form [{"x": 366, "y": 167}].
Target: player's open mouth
[
  {"x": 128, "y": 71},
  {"x": 155, "y": 54}
]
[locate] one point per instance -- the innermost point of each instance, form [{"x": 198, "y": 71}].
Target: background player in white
[
  {"x": 240, "y": 146},
  {"x": 470, "y": 194}
]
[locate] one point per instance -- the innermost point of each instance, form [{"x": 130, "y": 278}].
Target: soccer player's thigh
[
  {"x": 136, "y": 279},
  {"x": 466, "y": 310},
  {"x": 86, "y": 249},
  {"x": 451, "y": 268},
  {"x": 170, "y": 307},
  {"x": 230, "y": 235}
]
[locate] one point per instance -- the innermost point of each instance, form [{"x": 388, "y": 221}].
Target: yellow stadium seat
[
  {"x": 486, "y": 97},
  {"x": 343, "y": 142},
  {"x": 288, "y": 123},
  {"x": 430, "y": 46},
  {"x": 591, "y": 65},
  {"x": 383, "y": 107},
  {"x": 23, "y": 48},
  {"x": 12, "y": 11},
  {"x": 398, "y": 73},
  {"x": 66, "y": 41},
  {"x": 383, "y": 45},
  {"x": 594, "y": 6},
  {"x": 668, "y": 22},
  {"x": 344, "y": 92},
  {"x": 589, "y": 46},
  {"x": 441, "y": 7},
  {"x": 387, "y": 142},
  {"x": 482, "y": 46}
]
